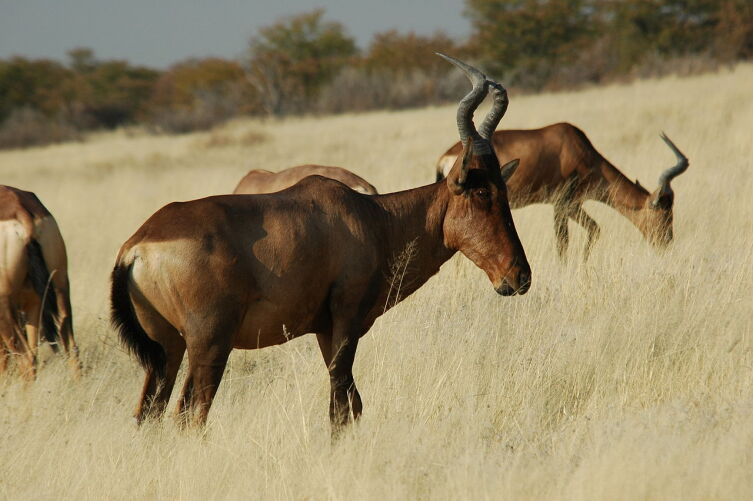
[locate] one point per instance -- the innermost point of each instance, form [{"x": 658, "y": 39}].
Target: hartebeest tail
[
  {"x": 150, "y": 354},
  {"x": 40, "y": 279}
]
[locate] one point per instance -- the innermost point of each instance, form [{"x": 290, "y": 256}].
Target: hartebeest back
[
  {"x": 263, "y": 181},
  {"x": 559, "y": 165},
  {"x": 249, "y": 271},
  {"x": 33, "y": 279}
]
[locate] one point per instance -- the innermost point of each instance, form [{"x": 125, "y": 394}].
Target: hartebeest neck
[
  {"x": 414, "y": 230},
  {"x": 625, "y": 196}
]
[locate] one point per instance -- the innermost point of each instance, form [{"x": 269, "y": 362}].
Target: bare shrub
[
  {"x": 208, "y": 110},
  {"x": 220, "y": 139},
  {"x": 27, "y": 127},
  {"x": 656, "y": 65},
  {"x": 252, "y": 138},
  {"x": 358, "y": 89}
]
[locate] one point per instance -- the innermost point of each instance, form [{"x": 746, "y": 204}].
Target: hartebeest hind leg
[
  {"x": 8, "y": 339},
  {"x": 158, "y": 382},
  {"x": 12, "y": 338},
  {"x": 583, "y": 219},
  {"x": 209, "y": 345},
  {"x": 183, "y": 408},
  {"x": 65, "y": 317},
  {"x": 31, "y": 304},
  {"x": 206, "y": 367},
  {"x": 157, "y": 389}
]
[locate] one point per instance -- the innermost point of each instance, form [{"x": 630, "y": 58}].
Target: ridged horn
[
  {"x": 668, "y": 175},
  {"x": 469, "y": 103},
  {"x": 499, "y": 107}
]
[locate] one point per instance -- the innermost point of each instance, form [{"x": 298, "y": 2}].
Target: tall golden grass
[{"x": 629, "y": 377}]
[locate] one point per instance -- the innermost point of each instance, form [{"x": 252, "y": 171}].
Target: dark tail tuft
[
  {"x": 150, "y": 354},
  {"x": 39, "y": 276}
]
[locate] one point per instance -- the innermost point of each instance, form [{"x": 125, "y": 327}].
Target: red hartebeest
[
  {"x": 33, "y": 279},
  {"x": 263, "y": 181},
  {"x": 560, "y": 166},
  {"x": 249, "y": 271}
]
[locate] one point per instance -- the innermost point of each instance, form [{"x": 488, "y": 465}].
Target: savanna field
[{"x": 628, "y": 377}]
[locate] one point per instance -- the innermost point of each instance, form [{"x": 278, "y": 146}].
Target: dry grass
[{"x": 628, "y": 378}]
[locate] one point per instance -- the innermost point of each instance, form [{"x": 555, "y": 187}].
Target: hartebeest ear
[
  {"x": 508, "y": 169},
  {"x": 662, "y": 198},
  {"x": 459, "y": 173}
]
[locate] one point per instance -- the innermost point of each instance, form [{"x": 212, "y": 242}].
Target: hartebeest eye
[{"x": 482, "y": 193}]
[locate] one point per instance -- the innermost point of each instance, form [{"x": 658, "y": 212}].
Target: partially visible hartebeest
[
  {"x": 33, "y": 279},
  {"x": 249, "y": 271},
  {"x": 558, "y": 165},
  {"x": 263, "y": 181}
]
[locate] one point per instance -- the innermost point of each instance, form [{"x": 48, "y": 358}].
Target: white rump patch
[{"x": 13, "y": 239}]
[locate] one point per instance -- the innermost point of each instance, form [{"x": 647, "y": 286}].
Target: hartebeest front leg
[
  {"x": 339, "y": 352},
  {"x": 561, "y": 234},
  {"x": 583, "y": 219}
]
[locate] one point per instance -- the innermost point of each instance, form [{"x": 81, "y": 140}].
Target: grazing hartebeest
[
  {"x": 33, "y": 278},
  {"x": 263, "y": 181},
  {"x": 559, "y": 165},
  {"x": 249, "y": 271}
]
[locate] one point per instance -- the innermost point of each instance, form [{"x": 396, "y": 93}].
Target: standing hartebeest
[
  {"x": 33, "y": 279},
  {"x": 249, "y": 271},
  {"x": 263, "y": 181},
  {"x": 560, "y": 166}
]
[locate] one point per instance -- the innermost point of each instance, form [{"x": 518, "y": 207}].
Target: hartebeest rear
[
  {"x": 560, "y": 166},
  {"x": 33, "y": 279},
  {"x": 263, "y": 181},
  {"x": 249, "y": 271}
]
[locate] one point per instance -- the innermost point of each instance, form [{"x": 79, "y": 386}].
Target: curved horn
[
  {"x": 469, "y": 104},
  {"x": 499, "y": 107},
  {"x": 681, "y": 166}
]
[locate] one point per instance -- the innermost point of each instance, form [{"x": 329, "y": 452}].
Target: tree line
[{"x": 308, "y": 64}]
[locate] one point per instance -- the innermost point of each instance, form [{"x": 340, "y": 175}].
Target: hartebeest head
[
  {"x": 655, "y": 216},
  {"x": 478, "y": 221}
]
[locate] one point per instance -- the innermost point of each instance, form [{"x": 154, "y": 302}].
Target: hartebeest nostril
[
  {"x": 505, "y": 289},
  {"x": 524, "y": 281}
]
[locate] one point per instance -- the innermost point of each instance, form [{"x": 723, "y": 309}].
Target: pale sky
[{"x": 160, "y": 32}]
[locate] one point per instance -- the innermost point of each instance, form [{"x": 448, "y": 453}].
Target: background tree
[
  {"x": 398, "y": 70},
  {"x": 734, "y": 31},
  {"x": 538, "y": 43},
  {"x": 291, "y": 60},
  {"x": 107, "y": 93},
  {"x": 117, "y": 93},
  {"x": 524, "y": 41},
  {"x": 408, "y": 52},
  {"x": 42, "y": 85},
  {"x": 200, "y": 93}
]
